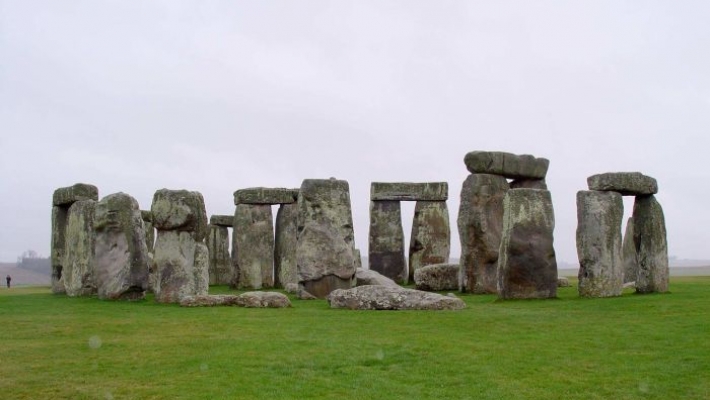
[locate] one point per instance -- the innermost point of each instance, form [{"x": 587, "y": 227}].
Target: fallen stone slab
[
  {"x": 226, "y": 221},
  {"x": 562, "y": 281},
  {"x": 377, "y": 297},
  {"x": 437, "y": 277},
  {"x": 408, "y": 191},
  {"x": 509, "y": 165},
  {"x": 79, "y": 191},
  {"x": 626, "y": 183},
  {"x": 369, "y": 277},
  {"x": 263, "y": 300},
  {"x": 262, "y": 195},
  {"x": 211, "y": 300}
]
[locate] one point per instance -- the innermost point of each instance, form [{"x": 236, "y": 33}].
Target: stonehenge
[
  {"x": 220, "y": 262},
  {"x": 431, "y": 235}
]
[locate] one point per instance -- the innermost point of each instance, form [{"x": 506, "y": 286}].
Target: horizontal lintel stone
[
  {"x": 408, "y": 191},
  {"x": 509, "y": 165},
  {"x": 222, "y": 220},
  {"x": 66, "y": 196},
  {"x": 626, "y": 183},
  {"x": 262, "y": 195}
]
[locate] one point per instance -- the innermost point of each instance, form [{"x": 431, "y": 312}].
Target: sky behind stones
[{"x": 216, "y": 96}]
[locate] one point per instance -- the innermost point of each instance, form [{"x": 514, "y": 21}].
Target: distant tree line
[{"x": 32, "y": 261}]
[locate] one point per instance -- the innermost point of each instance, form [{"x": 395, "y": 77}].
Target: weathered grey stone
[
  {"x": 377, "y": 297},
  {"x": 628, "y": 253},
  {"x": 302, "y": 294},
  {"x": 261, "y": 195},
  {"x": 407, "y": 191},
  {"x": 78, "y": 263},
  {"x": 66, "y": 196},
  {"x": 651, "y": 245},
  {"x": 180, "y": 210},
  {"x": 285, "y": 270},
  {"x": 480, "y": 224},
  {"x": 527, "y": 267},
  {"x": 226, "y": 221},
  {"x": 437, "y": 277},
  {"x": 369, "y": 277},
  {"x": 358, "y": 258},
  {"x": 254, "y": 233},
  {"x": 147, "y": 216},
  {"x": 210, "y": 300},
  {"x": 528, "y": 184},
  {"x": 149, "y": 231},
  {"x": 626, "y": 183},
  {"x": 563, "y": 282},
  {"x": 59, "y": 226},
  {"x": 508, "y": 165},
  {"x": 291, "y": 288},
  {"x": 430, "y": 242},
  {"x": 325, "y": 247},
  {"x": 599, "y": 216},
  {"x": 386, "y": 240},
  {"x": 121, "y": 268},
  {"x": 220, "y": 263},
  {"x": 263, "y": 300}
]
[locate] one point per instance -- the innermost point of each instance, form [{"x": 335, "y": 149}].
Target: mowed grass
[{"x": 630, "y": 347}]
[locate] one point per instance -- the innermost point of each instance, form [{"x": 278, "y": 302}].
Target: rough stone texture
[
  {"x": 358, "y": 258},
  {"x": 226, "y": 221},
  {"x": 407, "y": 191},
  {"x": 527, "y": 267},
  {"x": 626, "y": 183},
  {"x": 291, "y": 288},
  {"x": 220, "y": 262},
  {"x": 263, "y": 300},
  {"x": 480, "y": 224},
  {"x": 325, "y": 248},
  {"x": 210, "y": 300},
  {"x": 528, "y": 184},
  {"x": 121, "y": 255},
  {"x": 261, "y": 195},
  {"x": 430, "y": 242},
  {"x": 369, "y": 277},
  {"x": 628, "y": 253},
  {"x": 59, "y": 226},
  {"x": 599, "y": 216},
  {"x": 66, "y": 196},
  {"x": 78, "y": 263},
  {"x": 651, "y": 245},
  {"x": 377, "y": 297},
  {"x": 180, "y": 210},
  {"x": 508, "y": 165},
  {"x": 302, "y": 294},
  {"x": 147, "y": 216},
  {"x": 386, "y": 240},
  {"x": 149, "y": 231},
  {"x": 563, "y": 282},
  {"x": 437, "y": 277},
  {"x": 285, "y": 270},
  {"x": 254, "y": 245}
]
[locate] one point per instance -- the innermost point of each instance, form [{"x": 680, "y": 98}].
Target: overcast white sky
[{"x": 216, "y": 96}]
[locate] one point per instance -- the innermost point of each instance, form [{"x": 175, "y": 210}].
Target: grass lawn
[{"x": 629, "y": 347}]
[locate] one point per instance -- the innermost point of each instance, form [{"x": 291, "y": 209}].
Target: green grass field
[{"x": 630, "y": 347}]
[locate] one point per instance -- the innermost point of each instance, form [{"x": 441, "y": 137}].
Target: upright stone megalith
[
  {"x": 149, "y": 230},
  {"x": 599, "y": 216},
  {"x": 628, "y": 253},
  {"x": 78, "y": 262},
  {"x": 121, "y": 270},
  {"x": 220, "y": 264},
  {"x": 430, "y": 242},
  {"x": 386, "y": 240},
  {"x": 325, "y": 244},
  {"x": 651, "y": 245},
  {"x": 527, "y": 267},
  {"x": 285, "y": 270},
  {"x": 181, "y": 256},
  {"x": 254, "y": 245}
]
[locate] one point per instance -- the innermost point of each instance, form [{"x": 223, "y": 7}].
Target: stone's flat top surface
[
  {"x": 377, "y": 297},
  {"x": 409, "y": 191},
  {"x": 262, "y": 195},
  {"x": 222, "y": 220},
  {"x": 147, "y": 215},
  {"x": 80, "y": 191},
  {"x": 509, "y": 165},
  {"x": 626, "y": 183}
]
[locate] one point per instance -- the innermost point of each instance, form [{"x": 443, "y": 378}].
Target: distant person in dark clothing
[{"x": 8, "y": 279}]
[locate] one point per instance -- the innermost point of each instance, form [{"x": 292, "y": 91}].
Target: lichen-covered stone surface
[
  {"x": 220, "y": 263},
  {"x": 121, "y": 255},
  {"x": 261, "y": 195},
  {"x": 628, "y": 253},
  {"x": 430, "y": 242},
  {"x": 180, "y": 210},
  {"x": 263, "y": 300},
  {"x": 437, "y": 277},
  {"x": 626, "y": 183},
  {"x": 59, "y": 226},
  {"x": 210, "y": 300},
  {"x": 509, "y": 165},
  {"x": 651, "y": 245},
  {"x": 386, "y": 240},
  {"x": 78, "y": 263},
  {"x": 369, "y": 277},
  {"x": 480, "y": 224},
  {"x": 254, "y": 241},
  {"x": 66, "y": 196},
  {"x": 285, "y": 271},
  {"x": 599, "y": 216},
  {"x": 528, "y": 184},
  {"x": 325, "y": 245},
  {"x": 527, "y": 267},
  {"x": 408, "y": 191},
  {"x": 226, "y": 221},
  {"x": 377, "y": 297}
]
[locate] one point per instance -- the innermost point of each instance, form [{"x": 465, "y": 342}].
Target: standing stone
[
  {"x": 528, "y": 184},
  {"x": 651, "y": 245},
  {"x": 181, "y": 257},
  {"x": 220, "y": 264},
  {"x": 78, "y": 262},
  {"x": 325, "y": 247},
  {"x": 121, "y": 270},
  {"x": 285, "y": 271},
  {"x": 628, "y": 253},
  {"x": 358, "y": 258},
  {"x": 254, "y": 232},
  {"x": 527, "y": 265},
  {"x": 430, "y": 242},
  {"x": 480, "y": 224},
  {"x": 149, "y": 230},
  {"x": 386, "y": 241},
  {"x": 599, "y": 216},
  {"x": 59, "y": 226}
]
